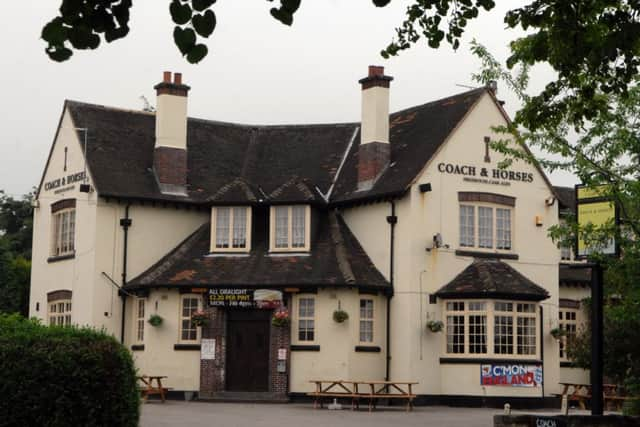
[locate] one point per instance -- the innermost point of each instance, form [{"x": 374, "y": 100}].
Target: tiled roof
[
  {"x": 566, "y": 198},
  {"x": 238, "y": 163},
  {"x": 335, "y": 259},
  {"x": 488, "y": 278}
]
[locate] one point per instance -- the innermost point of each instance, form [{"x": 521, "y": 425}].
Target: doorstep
[{"x": 245, "y": 396}]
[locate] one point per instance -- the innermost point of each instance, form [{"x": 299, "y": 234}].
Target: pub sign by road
[{"x": 244, "y": 298}]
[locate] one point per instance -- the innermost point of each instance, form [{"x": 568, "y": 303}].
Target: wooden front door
[{"x": 247, "y": 365}]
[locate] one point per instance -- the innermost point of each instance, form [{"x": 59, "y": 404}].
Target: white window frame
[
  {"x": 63, "y": 240},
  {"x": 364, "y": 319},
  {"x": 306, "y": 318},
  {"x": 59, "y": 312},
  {"x": 496, "y": 237},
  {"x": 490, "y": 312},
  {"x": 307, "y": 229},
  {"x": 182, "y": 317},
  {"x": 214, "y": 219},
  {"x": 139, "y": 324},
  {"x": 568, "y": 320}
]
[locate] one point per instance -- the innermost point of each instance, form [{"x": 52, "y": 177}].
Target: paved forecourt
[{"x": 178, "y": 413}]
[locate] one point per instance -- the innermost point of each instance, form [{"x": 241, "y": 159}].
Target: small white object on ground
[
  {"x": 507, "y": 409},
  {"x": 335, "y": 405}
]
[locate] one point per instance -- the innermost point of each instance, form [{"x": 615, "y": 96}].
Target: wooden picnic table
[
  {"x": 148, "y": 387},
  {"x": 356, "y": 390},
  {"x": 582, "y": 392}
]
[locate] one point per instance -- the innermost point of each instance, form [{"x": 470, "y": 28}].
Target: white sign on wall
[{"x": 208, "y": 349}]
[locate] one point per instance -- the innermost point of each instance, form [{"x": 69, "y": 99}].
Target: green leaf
[
  {"x": 180, "y": 13},
  {"x": 204, "y": 24},
  {"x": 58, "y": 53},
  {"x": 197, "y": 53},
  {"x": 201, "y": 5},
  {"x": 282, "y": 16},
  {"x": 184, "y": 39},
  {"x": 54, "y": 32}
]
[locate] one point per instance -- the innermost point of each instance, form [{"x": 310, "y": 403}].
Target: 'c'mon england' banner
[{"x": 511, "y": 375}]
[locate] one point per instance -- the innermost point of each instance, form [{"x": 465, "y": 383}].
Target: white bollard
[
  {"x": 564, "y": 406},
  {"x": 507, "y": 409}
]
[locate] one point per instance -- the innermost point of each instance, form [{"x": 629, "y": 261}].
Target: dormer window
[
  {"x": 290, "y": 228},
  {"x": 231, "y": 229}
]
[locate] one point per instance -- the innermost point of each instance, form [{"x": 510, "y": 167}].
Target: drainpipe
[
  {"x": 125, "y": 223},
  {"x": 542, "y": 350},
  {"x": 392, "y": 220}
]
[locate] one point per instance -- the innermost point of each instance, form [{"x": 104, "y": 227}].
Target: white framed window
[
  {"x": 231, "y": 229},
  {"x": 60, "y": 313},
  {"x": 290, "y": 228},
  {"x": 63, "y": 232},
  {"x": 366, "y": 320},
  {"x": 568, "y": 322},
  {"x": 188, "y": 331},
  {"x": 139, "y": 324},
  {"x": 491, "y": 328},
  {"x": 565, "y": 253},
  {"x": 486, "y": 227},
  {"x": 306, "y": 319}
]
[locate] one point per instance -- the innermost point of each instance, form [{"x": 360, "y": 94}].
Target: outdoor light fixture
[{"x": 425, "y": 188}]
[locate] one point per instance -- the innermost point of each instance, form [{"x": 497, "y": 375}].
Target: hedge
[{"x": 64, "y": 376}]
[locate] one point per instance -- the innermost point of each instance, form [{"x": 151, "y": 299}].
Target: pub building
[{"x": 404, "y": 222}]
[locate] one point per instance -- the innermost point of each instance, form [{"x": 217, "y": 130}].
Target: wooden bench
[
  {"x": 581, "y": 393},
  {"x": 147, "y": 388},
  {"x": 356, "y": 390}
]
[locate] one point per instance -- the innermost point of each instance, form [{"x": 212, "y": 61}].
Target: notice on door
[
  {"x": 208, "y": 349},
  {"x": 245, "y": 298}
]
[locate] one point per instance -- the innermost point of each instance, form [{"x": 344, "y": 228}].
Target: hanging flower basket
[
  {"x": 435, "y": 325},
  {"x": 280, "y": 318},
  {"x": 200, "y": 318},
  {"x": 340, "y": 316},
  {"x": 558, "y": 333},
  {"x": 155, "y": 320}
]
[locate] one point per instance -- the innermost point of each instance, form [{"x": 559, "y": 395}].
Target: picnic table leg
[{"x": 161, "y": 389}]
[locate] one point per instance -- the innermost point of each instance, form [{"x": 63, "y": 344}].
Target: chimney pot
[
  {"x": 376, "y": 71},
  {"x": 177, "y": 78},
  {"x": 166, "y": 77}
]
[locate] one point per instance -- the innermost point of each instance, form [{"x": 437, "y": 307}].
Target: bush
[{"x": 64, "y": 376}]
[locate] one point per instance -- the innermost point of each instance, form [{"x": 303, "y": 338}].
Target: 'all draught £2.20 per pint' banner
[{"x": 511, "y": 375}]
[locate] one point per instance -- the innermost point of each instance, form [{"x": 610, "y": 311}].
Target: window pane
[
  {"x": 72, "y": 231},
  {"x": 526, "y": 335},
  {"x": 503, "y": 228},
  {"x": 478, "y": 334},
  {"x": 222, "y": 227},
  {"x": 455, "y": 306},
  {"x": 485, "y": 227},
  {"x": 477, "y": 306},
  {"x": 306, "y": 323},
  {"x": 298, "y": 216},
  {"x": 526, "y": 308},
  {"x": 455, "y": 334},
  {"x": 503, "y": 335},
  {"x": 565, "y": 253},
  {"x": 240, "y": 227},
  {"x": 282, "y": 226},
  {"x": 503, "y": 306},
  {"x": 366, "y": 320},
  {"x": 467, "y": 222}
]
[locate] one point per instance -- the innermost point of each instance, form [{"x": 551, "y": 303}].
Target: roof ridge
[{"x": 435, "y": 101}]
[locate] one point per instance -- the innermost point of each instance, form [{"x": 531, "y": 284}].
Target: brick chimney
[
  {"x": 374, "y": 152},
  {"x": 170, "y": 153}
]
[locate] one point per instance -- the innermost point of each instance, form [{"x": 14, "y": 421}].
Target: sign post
[{"x": 597, "y": 338}]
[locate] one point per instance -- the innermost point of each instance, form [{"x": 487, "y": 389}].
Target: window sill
[
  {"x": 368, "y": 349},
  {"x": 288, "y": 253},
  {"x": 301, "y": 347},
  {"x": 483, "y": 254},
  {"x": 61, "y": 257},
  {"x": 137, "y": 347},
  {"x": 186, "y": 347},
  {"x": 486, "y": 360}
]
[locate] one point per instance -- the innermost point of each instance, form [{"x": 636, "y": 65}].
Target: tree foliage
[{"x": 16, "y": 223}]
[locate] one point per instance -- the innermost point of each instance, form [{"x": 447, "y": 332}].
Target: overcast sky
[{"x": 258, "y": 71}]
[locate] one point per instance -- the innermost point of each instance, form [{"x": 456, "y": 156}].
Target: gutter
[
  {"x": 392, "y": 220},
  {"x": 125, "y": 223}
]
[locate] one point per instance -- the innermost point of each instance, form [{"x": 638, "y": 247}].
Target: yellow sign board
[{"x": 596, "y": 212}]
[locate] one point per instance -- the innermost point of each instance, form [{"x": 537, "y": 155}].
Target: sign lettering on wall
[
  {"x": 64, "y": 181},
  {"x": 511, "y": 375},
  {"x": 245, "y": 298},
  {"x": 207, "y": 349},
  {"x": 485, "y": 175}
]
